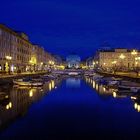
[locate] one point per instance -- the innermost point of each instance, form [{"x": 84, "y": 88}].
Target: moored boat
[{"x": 22, "y": 82}]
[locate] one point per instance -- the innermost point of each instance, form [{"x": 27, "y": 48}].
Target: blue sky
[{"x": 75, "y": 26}]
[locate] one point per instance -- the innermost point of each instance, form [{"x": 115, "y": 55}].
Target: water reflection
[
  {"x": 15, "y": 101},
  {"x": 99, "y": 88},
  {"x": 103, "y": 90},
  {"x": 73, "y": 83}
]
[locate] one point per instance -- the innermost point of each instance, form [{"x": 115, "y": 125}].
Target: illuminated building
[
  {"x": 73, "y": 61},
  {"x": 18, "y": 54},
  {"x": 117, "y": 58}
]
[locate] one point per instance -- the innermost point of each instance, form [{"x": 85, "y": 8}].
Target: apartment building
[
  {"x": 18, "y": 54},
  {"x": 117, "y": 58}
]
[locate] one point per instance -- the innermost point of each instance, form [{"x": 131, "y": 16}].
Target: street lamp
[
  {"x": 8, "y": 58},
  {"x": 114, "y": 66},
  {"x": 114, "y": 62},
  {"x": 134, "y": 53},
  {"x": 122, "y": 57}
]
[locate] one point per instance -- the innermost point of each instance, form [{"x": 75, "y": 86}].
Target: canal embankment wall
[{"x": 127, "y": 76}]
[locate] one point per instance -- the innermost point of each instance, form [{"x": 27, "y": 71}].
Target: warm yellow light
[
  {"x": 31, "y": 93},
  {"x": 53, "y": 84},
  {"x": 122, "y": 56},
  {"x": 30, "y": 61},
  {"x": 137, "y": 58},
  {"x": 41, "y": 63},
  {"x": 114, "y": 62},
  {"x": 6, "y": 66},
  {"x": 114, "y": 94},
  {"x": 104, "y": 89},
  {"x": 135, "y": 105},
  {"x": 33, "y": 60},
  {"x": 6, "y": 96},
  {"x": 93, "y": 63},
  {"x": 7, "y": 107},
  {"x": 138, "y": 108},
  {"x": 134, "y": 52},
  {"x": 97, "y": 87},
  {"x": 94, "y": 84},
  {"x": 50, "y": 62},
  {"x": 50, "y": 86},
  {"x": 133, "y": 98},
  {"x": 8, "y": 57},
  {"x": 10, "y": 105},
  {"x": 104, "y": 64}
]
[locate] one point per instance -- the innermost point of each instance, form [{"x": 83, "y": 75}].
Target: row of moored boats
[
  {"x": 118, "y": 84},
  {"x": 38, "y": 81}
]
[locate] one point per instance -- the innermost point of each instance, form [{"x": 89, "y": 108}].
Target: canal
[{"x": 71, "y": 108}]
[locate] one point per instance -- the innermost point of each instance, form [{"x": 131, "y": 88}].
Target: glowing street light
[
  {"x": 134, "y": 52},
  {"x": 114, "y": 62},
  {"x": 8, "y": 57},
  {"x": 122, "y": 56}
]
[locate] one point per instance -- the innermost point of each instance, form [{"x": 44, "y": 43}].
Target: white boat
[
  {"x": 21, "y": 82},
  {"x": 73, "y": 73}
]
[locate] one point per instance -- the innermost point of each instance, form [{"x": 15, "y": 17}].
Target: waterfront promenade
[{"x": 5, "y": 76}]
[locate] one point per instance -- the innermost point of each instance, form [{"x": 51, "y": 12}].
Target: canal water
[{"x": 72, "y": 108}]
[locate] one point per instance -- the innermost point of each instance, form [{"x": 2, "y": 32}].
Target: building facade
[
  {"x": 18, "y": 54},
  {"x": 117, "y": 58}
]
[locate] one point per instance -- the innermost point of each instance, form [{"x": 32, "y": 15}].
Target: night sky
[{"x": 75, "y": 26}]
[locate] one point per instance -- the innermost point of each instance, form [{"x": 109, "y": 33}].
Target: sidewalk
[
  {"x": 132, "y": 75},
  {"x": 4, "y": 76},
  {"x": 128, "y": 74}
]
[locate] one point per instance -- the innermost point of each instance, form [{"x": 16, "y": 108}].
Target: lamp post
[
  {"x": 114, "y": 66},
  {"x": 137, "y": 59},
  {"x": 8, "y": 58},
  {"x": 41, "y": 66},
  {"x": 122, "y": 57},
  {"x": 134, "y": 54}
]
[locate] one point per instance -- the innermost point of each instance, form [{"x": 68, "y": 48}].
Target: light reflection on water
[
  {"x": 110, "y": 91},
  {"x": 73, "y": 83},
  {"x": 64, "y": 113},
  {"x": 14, "y": 101}
]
